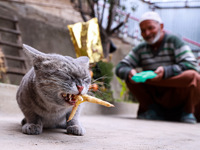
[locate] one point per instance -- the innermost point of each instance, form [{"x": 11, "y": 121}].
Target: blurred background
[{"x": 43, "y": 24}]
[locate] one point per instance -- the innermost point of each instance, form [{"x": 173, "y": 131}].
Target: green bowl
[{"x": 143, "y": 76}]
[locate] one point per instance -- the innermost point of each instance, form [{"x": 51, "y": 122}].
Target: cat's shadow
[{"x": 16, "y": 128}]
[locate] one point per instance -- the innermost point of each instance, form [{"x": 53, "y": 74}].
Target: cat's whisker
[
  {"x": 106, "y": 84},
  {"x": 100, "y": 78},
  {"x": 103, "y": 77}
]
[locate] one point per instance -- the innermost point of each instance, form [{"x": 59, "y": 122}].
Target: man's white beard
[{"x": 157, "y": 37}]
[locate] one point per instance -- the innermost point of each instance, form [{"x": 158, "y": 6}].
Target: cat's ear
[
  {"x": 84, "y": 61},
  {"x": 32, "y": 52},
  {"x": 36, "y": 56}
]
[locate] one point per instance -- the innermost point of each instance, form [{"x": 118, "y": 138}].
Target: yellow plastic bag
[{"x": 86, "y": 39}]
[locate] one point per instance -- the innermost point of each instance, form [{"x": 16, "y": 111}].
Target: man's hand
[
  {"x": 160, "y": 73},
  {"x": 131, "y": 74}
]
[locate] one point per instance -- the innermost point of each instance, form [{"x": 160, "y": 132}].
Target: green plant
[
  {"x": 124, "y": 93},
  {"x": 103, "y": 73},
  {"x": 102, "y": 76},
  {"x": 106, "y": 95}
]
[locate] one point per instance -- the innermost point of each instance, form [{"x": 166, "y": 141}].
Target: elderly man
[{"x": 174, "y": 94}]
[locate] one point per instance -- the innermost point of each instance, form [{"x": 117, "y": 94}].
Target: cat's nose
[{"x": 80, "y": 88}]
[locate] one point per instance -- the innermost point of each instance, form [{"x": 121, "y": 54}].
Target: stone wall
[{"x": 39, "y": 29}]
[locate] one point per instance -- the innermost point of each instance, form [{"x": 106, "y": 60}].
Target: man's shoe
[
  {"x": 150, "y": 115},
  {"x": 188, "y": 118}
]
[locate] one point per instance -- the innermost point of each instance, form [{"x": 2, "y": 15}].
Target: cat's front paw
[
  {"x": 31, "y": 129},
  {"x": 76, "y": 130}
]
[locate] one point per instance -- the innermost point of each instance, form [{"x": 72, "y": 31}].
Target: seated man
[{"x": 174, "y": 94}]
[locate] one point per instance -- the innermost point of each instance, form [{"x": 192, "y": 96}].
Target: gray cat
[{"x": 46, "y": 92}]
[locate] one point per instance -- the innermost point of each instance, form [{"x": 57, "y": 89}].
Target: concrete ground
[{"x": 119, "y": 131}]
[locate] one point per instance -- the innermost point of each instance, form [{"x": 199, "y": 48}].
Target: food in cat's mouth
[
  {"x": 69, "y": 98},
  {"x": 87, "y": 98}
]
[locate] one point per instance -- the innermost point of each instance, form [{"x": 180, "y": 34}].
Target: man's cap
[{"x": 150, "y": 16}]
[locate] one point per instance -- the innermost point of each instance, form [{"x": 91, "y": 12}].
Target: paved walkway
[{"x": 104, "y": 131}]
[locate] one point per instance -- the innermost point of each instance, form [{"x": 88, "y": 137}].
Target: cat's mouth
[{"x": 69, "y": 98}]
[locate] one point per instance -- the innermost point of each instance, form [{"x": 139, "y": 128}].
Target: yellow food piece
[{"x": 87, "y": 98}]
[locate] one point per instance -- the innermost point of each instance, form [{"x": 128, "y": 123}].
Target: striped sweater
[{"x": 173, "y": 55}]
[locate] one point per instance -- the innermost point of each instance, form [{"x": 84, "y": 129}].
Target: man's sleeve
[
  {"x": 122, "y": 70},
  {"x": 185, "y": 60},
  {"x": 126, "y": 64}
]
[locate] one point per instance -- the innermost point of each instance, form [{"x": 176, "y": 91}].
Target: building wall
[{"x": 183, "y": 22}]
